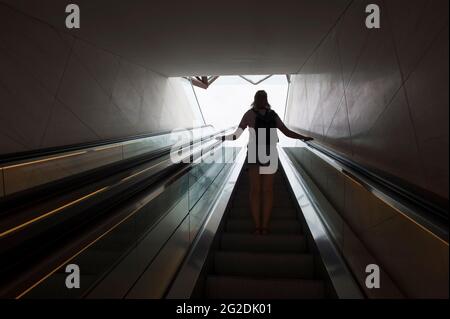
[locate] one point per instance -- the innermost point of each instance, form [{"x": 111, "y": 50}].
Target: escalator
[
  {"x": 102, "y": 219},
  {"x": 321, "y": 242},
  {"x": 276, "y": 266},
  {"x": 157, "y": 229}
]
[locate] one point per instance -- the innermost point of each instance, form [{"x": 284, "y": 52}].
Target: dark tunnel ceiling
[{"x": 179, "y": 38}]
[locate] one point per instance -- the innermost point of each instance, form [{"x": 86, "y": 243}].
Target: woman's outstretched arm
[
  {"x": 238, "y": 132},
  {"x": 290, "y": 133}
]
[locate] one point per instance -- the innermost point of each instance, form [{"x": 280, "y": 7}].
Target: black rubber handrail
[
  {"x": 26, "y": 155},
  {"x": 53, "y": 188}
]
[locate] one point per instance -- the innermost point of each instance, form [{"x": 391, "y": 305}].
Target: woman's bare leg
[
  {"x": 255, "y": 194},
  {"x": 267, "y": 195}
]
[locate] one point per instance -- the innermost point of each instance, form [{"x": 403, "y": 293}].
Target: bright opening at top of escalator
[{"x": 225, "y": 99}]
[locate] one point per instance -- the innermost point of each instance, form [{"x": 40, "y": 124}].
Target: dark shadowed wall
[
  {"x": 380, "y": 96},
  {"x": 56, "y": 90}
]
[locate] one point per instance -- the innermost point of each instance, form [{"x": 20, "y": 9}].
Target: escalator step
[
  {"x": 279, "y": 200},
  {"x": 245, "y": 193},
  {"x": 224, "y": 287},
  {"x": 277, "y": 213},
  {"x": 278, "y": 205},
  {"x": 271, "y": 243},
  {"x": 276, "y": 226},
  {"x": 245, "y": 183},
  {"x": 300, "y": 266}
]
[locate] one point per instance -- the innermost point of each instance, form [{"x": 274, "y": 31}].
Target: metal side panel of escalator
[
  {"x": 335, "y": 233},
  {"x": 230, "y": 261}
]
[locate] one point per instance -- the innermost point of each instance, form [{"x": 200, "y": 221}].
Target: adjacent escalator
[{"x": 135, "y": 210}]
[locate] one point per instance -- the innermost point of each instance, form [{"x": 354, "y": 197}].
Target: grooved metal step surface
[
  {"x": 277, "y": 265},
  {"x": 277, "y": 213},
  {"x": 299, "y": 266},
  {"x": 278, "y": 204},
  {"x": 276, "y": 226},
  {"x": 270, "y": 243},
  {"x": 230, "y": 287}
]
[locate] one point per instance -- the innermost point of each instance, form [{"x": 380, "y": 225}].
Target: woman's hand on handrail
[
  {"x": 230, "y": 137},
  {"x": 306, "y": 138}
]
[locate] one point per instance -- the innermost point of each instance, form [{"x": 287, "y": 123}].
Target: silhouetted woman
[{"x": 262, "y": 122}]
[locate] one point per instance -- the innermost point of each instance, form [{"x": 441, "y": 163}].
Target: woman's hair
[{"x": 260, "y": 101}]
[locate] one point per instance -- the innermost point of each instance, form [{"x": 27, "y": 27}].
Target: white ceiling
[{"x": 200, "y": 37}]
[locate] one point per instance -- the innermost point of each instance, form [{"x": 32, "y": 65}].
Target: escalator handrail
[
  {"x": 59, "y": 183},
  {"x": 163, "y": 182},
  {"x": 27, "y": 155},
  {"x": 427, "y": 214},
  {"x": 209, "y": 138},
  {"x": 187, "y": 275}
]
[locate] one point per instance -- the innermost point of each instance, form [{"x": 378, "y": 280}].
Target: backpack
[{"x": 266, "y": 121}]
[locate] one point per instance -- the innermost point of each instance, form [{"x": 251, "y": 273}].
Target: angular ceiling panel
[{"x": 202, "y": 37}]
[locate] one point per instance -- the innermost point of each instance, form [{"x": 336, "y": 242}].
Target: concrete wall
[
  {"x": 380, "y": 96},
  {"x": 56, "y": 90}
]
